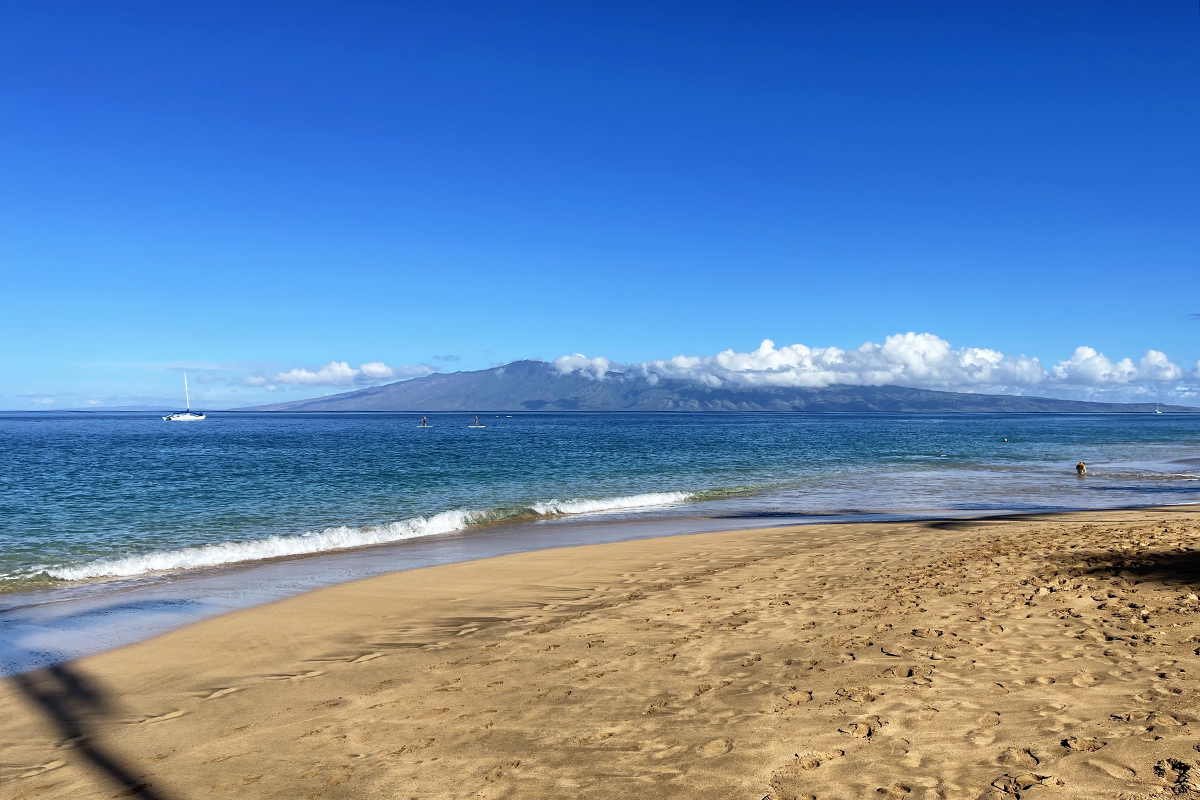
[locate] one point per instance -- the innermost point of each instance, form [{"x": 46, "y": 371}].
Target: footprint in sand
[
  {"x": 788, "y": 782},
  {"x": 427, "y": 713},
  {"x": 1015, "y": 757},
  {"x": 797, "y": 697},
  {"x": 496, "y": 773},
  {"x": 717, "y": 747},
  {"x": 810, "y": 761},
  {"x": 655, "y": 706},
  {"x": 1083, "y": 745},
  {"x": 1015, "y": 784},
  {"x": 861, "y": 730},
  {"x": 1112, "y": 769},
  {"x": 980, "y": 738},
  {"x": 1159, "y": 720},
  {"x": 413, "y": 747},
  {"x": 1178, "y": 773}
]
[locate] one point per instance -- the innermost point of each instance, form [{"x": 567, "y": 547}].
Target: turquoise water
[{"x": 88, "y": 496}]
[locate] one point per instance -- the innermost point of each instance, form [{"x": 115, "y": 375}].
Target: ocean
[{"x": 98, "y": 508}]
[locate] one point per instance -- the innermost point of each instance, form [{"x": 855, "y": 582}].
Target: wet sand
[{"x": 1025, "y": 657}]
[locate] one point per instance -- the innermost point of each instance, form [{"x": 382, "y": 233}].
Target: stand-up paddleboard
[{"x": 477, "y": 426}]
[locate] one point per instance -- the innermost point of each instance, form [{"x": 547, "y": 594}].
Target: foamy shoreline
[
  {"x": 1038, "y": 655},
  {"x": 48, "y": 626},
  {"x": 347, "y": 537}
]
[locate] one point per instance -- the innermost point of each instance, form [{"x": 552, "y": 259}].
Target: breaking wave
[
  {"x": 344, "y": 537},
  {"x": 557, "y": 508}
]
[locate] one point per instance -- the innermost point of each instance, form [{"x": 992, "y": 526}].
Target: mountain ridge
[{"x": 538, "y": 386}]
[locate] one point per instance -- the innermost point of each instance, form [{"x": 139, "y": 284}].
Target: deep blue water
[{"x": 88, "y": 495}]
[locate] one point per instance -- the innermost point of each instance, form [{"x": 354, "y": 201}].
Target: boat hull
[{"x": 185, "y": 416}]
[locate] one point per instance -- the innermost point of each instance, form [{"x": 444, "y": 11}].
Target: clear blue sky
[{"x": 258, "y": 187}]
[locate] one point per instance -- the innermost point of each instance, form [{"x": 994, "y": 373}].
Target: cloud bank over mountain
[
  {"x": 919, "y": 360},
  {"x": 340, "y": 373},
  {"x": 914, "y": 360}
]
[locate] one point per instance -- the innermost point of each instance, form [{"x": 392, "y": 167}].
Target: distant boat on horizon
[
  {"x": 1157, "y": 410},
  {"x": 185, "y": 416}
]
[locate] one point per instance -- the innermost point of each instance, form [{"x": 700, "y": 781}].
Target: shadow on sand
[
  {"x": 1173, "y": 568},
  {"x": 69, "y": 700},
  {"x": 989, "y": 520}
]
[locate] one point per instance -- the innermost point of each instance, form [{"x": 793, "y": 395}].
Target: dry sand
[{"x": 1040, "y": 656}]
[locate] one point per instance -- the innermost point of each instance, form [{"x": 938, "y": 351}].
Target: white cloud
[
  {"x": 920, "y": 360},
  {"x": 595, "y": 368},
  {"x": 1086, "y": 367},
  {"x": 1156, "y": 366},
  {"x": 340, "y": 373},
  {"x": 335, "y": 373},
  {"x": 377, "y": 370}
]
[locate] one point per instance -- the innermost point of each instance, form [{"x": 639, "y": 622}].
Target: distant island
[{"x": 540, "y": 386}]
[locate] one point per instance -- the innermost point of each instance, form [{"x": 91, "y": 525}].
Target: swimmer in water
[{"x": 1081, "y": 469}]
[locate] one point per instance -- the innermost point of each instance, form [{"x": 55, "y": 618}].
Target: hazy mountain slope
[{"x": 537, "y": 386}]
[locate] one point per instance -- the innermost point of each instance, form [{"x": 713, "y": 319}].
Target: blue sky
[{"x": 260, "y": 190}]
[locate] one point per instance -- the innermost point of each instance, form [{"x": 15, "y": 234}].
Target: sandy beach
[{"x": 1033, "y": 656}]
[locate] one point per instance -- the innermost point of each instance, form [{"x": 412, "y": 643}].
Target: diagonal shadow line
[{"x": 66, "y": 697}]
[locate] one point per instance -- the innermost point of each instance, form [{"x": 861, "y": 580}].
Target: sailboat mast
[{"x": 186, "y": 398}]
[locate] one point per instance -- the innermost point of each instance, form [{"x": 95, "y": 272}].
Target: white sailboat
[
  {"x": 185, "y": 416},
  {"x": 1157, "y": 410}
]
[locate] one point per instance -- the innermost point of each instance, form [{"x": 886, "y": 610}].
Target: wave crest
[
  {"x": 555, "y": 508},
  {"x": 344, "y": 537}
]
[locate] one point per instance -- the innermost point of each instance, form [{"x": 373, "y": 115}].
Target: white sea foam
[
  {"x": 339, "y": 538},
  {"x": 649, "y": 500},
  {"x": 212, "y": 555}
]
